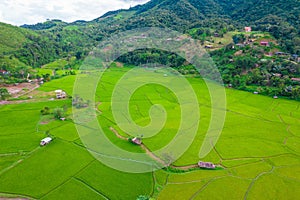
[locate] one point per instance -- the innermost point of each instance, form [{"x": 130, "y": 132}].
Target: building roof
[
  {"x": 47, "y": 139},
  {"x": 207, "y": 165},
  {"x": 137, "y": 140},
  {"x": 296, "y": 79},
  {"x": 248, "y": 29},
  {"x": 277, "y": 75},
  {"x": 208, "y": 46}
]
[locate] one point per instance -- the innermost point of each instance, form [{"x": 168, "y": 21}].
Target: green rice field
[{"x": 258, "y": 152}]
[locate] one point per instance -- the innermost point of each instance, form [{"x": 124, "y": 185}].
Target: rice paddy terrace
[{"x": 258, "y": 151}]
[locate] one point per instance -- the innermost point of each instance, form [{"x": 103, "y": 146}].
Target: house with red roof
[
  {"x": 248, "y": 29},
  {"x": 264, "y": 43}
]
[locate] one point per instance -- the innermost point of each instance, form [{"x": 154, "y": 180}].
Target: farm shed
[
  {"x": 264, "y": 43},
  {"x": 60, "y": 94},
  {"x": 206, "y": 165},
  {"x": 137, "y": 141},
  {"x": 248, "y": 29},
  {"x": 45, "y": 141},
  {"x": 208, "y": 46}
]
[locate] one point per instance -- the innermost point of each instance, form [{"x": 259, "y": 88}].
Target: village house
[
  {"x": 295, "y": 79},
  {"x": 208, "y": 46},
  {"x": 240, "y": 45},
  {"x": 277, "y": 75},
  {"x": 295, "y": 57},
  {"x": 60, "y": 94},
  {"x": 45, "y": 141},
  {"x": 264, "y": 43},
  {"x": 206, "y": 165},
  {"x": 3, "y": 72},
  {"x": 248, "y": 29},
  {"x": 216, "y": 34},
  {"x": 279, "y": 53},
  {"x": 136, "y": 140}
]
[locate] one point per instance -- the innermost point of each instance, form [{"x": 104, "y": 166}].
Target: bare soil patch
[{"x": 17, "y": 90}]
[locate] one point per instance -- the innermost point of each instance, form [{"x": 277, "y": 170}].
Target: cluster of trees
[
  {"x": 49, "y": 46},
  {"x": 57, "y": 113},
  {"x": 144, "y": 56},
  {"x": 205, "y": 34},
  {"x": 42, "y": 26}
]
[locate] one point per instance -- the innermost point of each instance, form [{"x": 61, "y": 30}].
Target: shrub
[
  {"x": 4, "y": 94},
  {"x": 143, "y": 197},
  {"x": 58, "y": 113},
  {"x": 45, "y": 111}
]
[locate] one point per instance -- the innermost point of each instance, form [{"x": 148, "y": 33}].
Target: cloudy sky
[{"x": 18, "y": 12}]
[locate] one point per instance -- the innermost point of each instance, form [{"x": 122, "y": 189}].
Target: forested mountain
[
  {"x": 202, "y": 19},
  {"x": 280, "y": 18}
]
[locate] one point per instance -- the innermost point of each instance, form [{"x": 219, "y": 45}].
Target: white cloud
[{"x": 20, "y": 12}]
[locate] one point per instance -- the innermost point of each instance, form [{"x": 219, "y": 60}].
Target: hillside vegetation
[
  {"x": 219, "y": 24},
  {"x": 12, "y": 38}
]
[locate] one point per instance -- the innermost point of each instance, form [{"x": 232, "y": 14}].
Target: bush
[
  {"x": 45, "y": 111},
  {"x": 143, "y": 197},
  {"x": 59, "y": 113},
  {"x": 4, "y": 94}
]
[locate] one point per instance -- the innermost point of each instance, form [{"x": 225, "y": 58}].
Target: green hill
[
  {"x": 280, "y": 18},
  {"x": 217, "y": 23},
  {"x": 12, "y": 38}
]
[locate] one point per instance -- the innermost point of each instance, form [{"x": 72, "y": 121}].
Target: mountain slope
[
  {"x": 215, "y": 23},
  {"x": 280, "y": 18},
  {"x": 12, "y": 37}
]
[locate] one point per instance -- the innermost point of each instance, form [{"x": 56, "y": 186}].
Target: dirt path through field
[
  {"x": 12, "y": 198},
  {"x": 146, "y": 149},
  {"x": 155, "y": 157}
]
